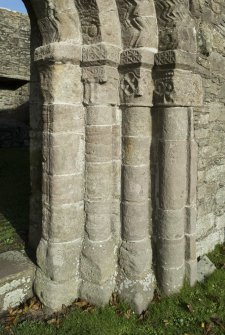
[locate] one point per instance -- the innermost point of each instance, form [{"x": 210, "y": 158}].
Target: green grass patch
[
  {"x": 14, "y": 198},
  {"x": 194, "y": 311}
]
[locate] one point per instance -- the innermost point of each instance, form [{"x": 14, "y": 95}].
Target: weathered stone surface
[
  {"x": 46, "y": 289},
  {"x": 209, "y": 125},
  {"x": 204, "y": 268},
  {"x": 124, "y": 183},
  {"x": 17, "y": 274},
  {"x": 15, "y": 36},
  {"x": 14, "y": 78}
]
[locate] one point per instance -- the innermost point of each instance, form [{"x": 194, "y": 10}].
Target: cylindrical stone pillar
[
  {"x": 136, "y": 279},
  {"x": 176, "y": 257},
  {"x": 177, "y": 89},
  {"x": 98, "y": 261},
  {"x": 172, "y": 158},
  {"x": 58, "y": 254}
]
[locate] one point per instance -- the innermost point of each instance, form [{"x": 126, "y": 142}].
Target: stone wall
[
  {"x": 210, "y": 124},
  {"x": 14, "y": 78}
]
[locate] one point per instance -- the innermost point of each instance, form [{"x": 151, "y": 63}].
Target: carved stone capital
[
  {"x": 139, "y": 57},
  {"x": 177, "y": 88},
  {"x": 100, "y": 54},
  {"x": 136, "y": 87},
  {"x": 100, "y": 84},
  {"x": 62, "y": 52},
  {"x": 175, "y": 59}
]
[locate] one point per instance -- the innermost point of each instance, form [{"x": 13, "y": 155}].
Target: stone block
[
  {"x": 204, "y": 268},
  {"x": 98, "y": 226},
  {"x": 63, "y": 223},
  {"x": 63, "y": 118},
  {"x": 99, "y": 181},
  {"x": 138, "y": 56},
  {"x": 100, "y": 85},
  {"x": 171, "y": 223},
  {"x": 55, "y": 90},
  {"x": 138, "y": 293},
  {"x": 51, "y": 259},
  {"x": 116, "y": 179},
  {"x": 62, "y": 52},
  {"x": 135, "y": 259},
  {"x": 16, "y": 279},
  {"x": 136, "y": 121},
  {"x": 100, "y": 54},
  {"x": 99, "y": 115},
  {"x": 191, "y": 219},
  {"x": 170, "y": 89},
  {"x": 174, "y": 123},
  {"x": 98, "y": 143},
  {"x": 63, "y": 153},
  {"x": 172, "y": 174},
  {"x": 63, "y": 190},
  {"x": 136, "y": 183},
  {"x": 136, "y": 220},
  {"x": 190, "y": 247},
  {"x": 171, "y": 253},
  {"x": 94, "y": 267},
  {"x": 171, "y": 280},
  {"x": 136, "y": 150},
  {"x": 116, "y": 142},
  {"x": 97, "y": 294},
  {"x": 54, "y": 295},
  {"x": 136, "y": 87},
  {"x": 191, "y": 271}
]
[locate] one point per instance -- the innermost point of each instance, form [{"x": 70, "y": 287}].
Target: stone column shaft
[
  {"x": 98, "y": 262},
  {"x": 177, "y": 164},
  {"x": 136, "y": 277},
  {"x": 58, "y": 255}
]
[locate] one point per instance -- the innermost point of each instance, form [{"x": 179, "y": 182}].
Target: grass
[
  {"x": 194, "y": 311},
  {"x": 14, "y": 198}
]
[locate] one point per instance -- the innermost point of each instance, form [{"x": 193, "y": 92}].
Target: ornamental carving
[
  {"x": 90, "y": 23},
  {"x": 130, "y": 84},
  {"x": 135, "y": 17}
]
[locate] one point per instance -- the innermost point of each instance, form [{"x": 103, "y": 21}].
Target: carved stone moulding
[
  {"x": 100, "y": 54},
  {"x": 62, "y": 52},
  {"x": 136, "y": 86},
  {"x": 178, "y": 37},
  {"x": 139, "y": 57},
  {"x": 177, "y": 88},
  {"x": 176, "y": 59},
  {"x": 100, "y": 85},
  {"x": 90, "y": 23}
]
